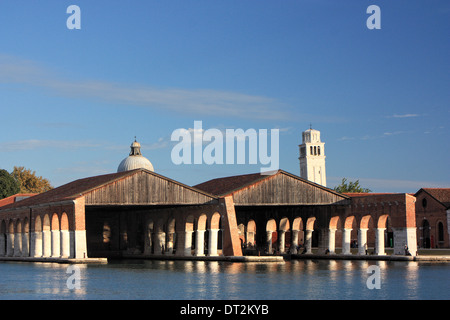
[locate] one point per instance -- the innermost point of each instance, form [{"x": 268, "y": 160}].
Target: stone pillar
[
  {"x": 170, "y": 241},
  {"x": 9, "y": 244},
  {"x": 80, "y": 247},
  {"x": 212, "y": 242},
  {"x": 346, "y": 238},
  {"x": 332, "y": 240},
  {"x": 148, "y": 243},
  {"x": 56, "y": 244},
  {"x": 36, "y": 244},
  {"x": 199, "y": 243},
  {"x": 294, "y": 242},
  {"x": 65, "y": 244},
  {"x": 188, "y": 243},
  {"x": 269, "y": 241},
  {"x": 379, "y": 241},
  {"x": 308, "y": 241},
  {"x": 25, "y": 244},
  {"x": 362, "y": 241},
  {"x": 46, "y": 243},
  {"x": 405, "y": 237},
  {"x": 157, "y": 242},
  {"x": 250, "y": 238},
  {"x": 2, "y": 244},
  {"x": 17, "y": 244},
  {"x": 282, "y": 243}
]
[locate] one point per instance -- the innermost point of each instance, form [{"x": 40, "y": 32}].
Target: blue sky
[{"x": 72, "y": 101}]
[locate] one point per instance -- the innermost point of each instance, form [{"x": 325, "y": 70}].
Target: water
[{"x": 208, "y": 280}]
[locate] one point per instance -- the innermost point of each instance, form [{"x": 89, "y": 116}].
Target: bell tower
[{"x": 312, "y": 157}]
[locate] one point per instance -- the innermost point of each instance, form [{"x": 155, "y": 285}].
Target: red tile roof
[
  {"x": 15, "y": 198},
  {"x": 223, "y": 186}
]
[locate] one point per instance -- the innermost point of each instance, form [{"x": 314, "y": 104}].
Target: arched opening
[
  {"x": 171, "y": 236},
  {"x": 10, "y": 239},
  {"x": 298, "y": 237},
  {"x": 148, "y": 239},
  {"x": 26, "y": 238},
  {"x": 284, "y": 241},
  {"x": 271, "y": 236},
  {"x": 46, "y": 237},
  {"x": 426, "y": 243},
  {"x": 309, "y": 234},
  {"x": 55, "y": 236},
  {"x": 440, "y": 237},
  {"x": 18, "y": 239},
  {"x": 215, "y": 235},
  {"x": 349, "y": 235},
  {"x": 200, "y": 236},
  {"x": 188, "y": 230},
  {"x": 65, "y": 236}
]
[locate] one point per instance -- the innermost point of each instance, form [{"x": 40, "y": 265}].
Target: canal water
[{"x": 212, "y": 280}]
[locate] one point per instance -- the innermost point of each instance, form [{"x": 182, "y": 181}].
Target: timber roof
[
  {"x": 85, "y": 186},
  {"x": 246, "y": 183},
  {"x": 442, "y": 195}
]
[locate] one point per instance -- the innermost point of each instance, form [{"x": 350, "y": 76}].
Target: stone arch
[
  {"x": 347, "y": 240},
  {"x": 271, "y": 235},
  {"x": 38, "y": 224},
  {"x": 310, "y": 223},
  {"x": 18, "y": 238},
  {"x": 26, "y": 237},
  {"x": 382, "y": 221},
  {"x": 215, "y": 221},
  {"x": 36, "y": 237},
  {"x": 46, "y": 237},
  {"x": 65, "y": 236},
  {"x": 55, "y": 236},
  {"x": 10, "y": 239}
]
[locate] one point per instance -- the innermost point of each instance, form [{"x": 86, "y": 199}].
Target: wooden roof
[
  {"x": 280, "y": 188},
  {"x": 138, "y": 186}
]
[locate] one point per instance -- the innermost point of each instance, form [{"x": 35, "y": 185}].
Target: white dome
[{"x": 135, "y": 160}]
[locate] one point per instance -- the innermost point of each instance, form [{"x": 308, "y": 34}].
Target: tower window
[
  {"x": 318, "y": 150},
  {"x": 311, "y": 149},
  {"x": 315, "y": 150}
]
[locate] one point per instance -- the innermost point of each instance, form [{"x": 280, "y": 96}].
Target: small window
[
  {"x": 315, "y": 151},
  {"x": 311, "y": 153},
  {"x": 424, "y": 202},
  {"x": 318, "y": 150}
]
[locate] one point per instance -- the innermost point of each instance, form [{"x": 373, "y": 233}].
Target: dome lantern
[{"x": 135, "y": 160}]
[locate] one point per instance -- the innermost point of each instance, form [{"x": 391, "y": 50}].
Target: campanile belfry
[{"x": 312, "y": 157}]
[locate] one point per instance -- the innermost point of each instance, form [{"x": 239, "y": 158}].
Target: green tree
[
  {"x": 350, "y": 187},
  {"x": 8, "y": 185},
  {"x": 29, "y": 182}
]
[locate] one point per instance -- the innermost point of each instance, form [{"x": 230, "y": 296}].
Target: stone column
[
  {"x": 157, "y": 243},
  {"x": 269, "y": 241},
  {"x": 2, "y": 244},
  {"x": 379, "y": 241},
  {"x": 17, "y": 244},
  {"x": 294, "y": 242},
  {"x": 9, "y": 244},
  {"x": 65, "y": 244},
  {"x": 36, "y": 244},
  {"x": 46, "y": 243},
  {"x": 199, "y": 243},
  {"x": 332, "y": 240},
  {"x": 346, "y": 238},
  {"x": 362, "y": 241},
  {"x": 281, "y": 234},
  {"x": 188, "y": 243},
  {"x": 56, "y": 244},
  {"x": 170, "y": 238},
  {"x": 25, "y": 244},
  {"x": 212, "y": 242},
  {"x": 308, "y": 241}
]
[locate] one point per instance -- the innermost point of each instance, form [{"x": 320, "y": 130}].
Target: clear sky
[{"x": 72, "y": 101}]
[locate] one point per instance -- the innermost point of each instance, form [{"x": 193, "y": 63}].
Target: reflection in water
[{"x": 192, "y": 280}]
